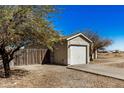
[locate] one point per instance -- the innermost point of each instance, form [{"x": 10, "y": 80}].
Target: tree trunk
[
  {"x": 91, "y": 52},
  {"x": 95, "y": 54},
  {"x": 91, "y": 57},
  {"x": 6, "y": 68}
]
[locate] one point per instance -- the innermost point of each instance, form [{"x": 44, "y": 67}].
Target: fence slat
[{"x": 29, "y": 56}]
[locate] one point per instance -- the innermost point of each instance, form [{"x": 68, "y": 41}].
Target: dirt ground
[
  {"x": 55, "y": 76},
  {"x": 47, "y": 76}
]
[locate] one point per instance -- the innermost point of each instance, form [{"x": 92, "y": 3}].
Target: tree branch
[{"x": 12, "y": 53}]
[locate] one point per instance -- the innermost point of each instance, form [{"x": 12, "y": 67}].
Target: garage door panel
[{"x": 77, "y": 55}]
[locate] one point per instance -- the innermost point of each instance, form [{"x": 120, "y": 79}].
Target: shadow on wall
[{"x": 46, "y": 59}]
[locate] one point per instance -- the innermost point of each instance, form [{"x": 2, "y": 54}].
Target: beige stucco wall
[
  {"x": 79, "y": 41},
  {"x": 60, "y": 54},
  {"x": 61, "y": 50}
]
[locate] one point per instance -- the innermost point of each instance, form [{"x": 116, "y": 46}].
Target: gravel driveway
[{"x": 56, "y": 76}]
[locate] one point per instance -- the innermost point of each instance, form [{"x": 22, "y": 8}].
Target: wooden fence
[{"x": 31, "y": 56}]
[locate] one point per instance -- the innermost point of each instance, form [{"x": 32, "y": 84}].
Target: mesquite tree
[
  {"x": 21, "y": 26},
  {"x": 98, "y": 42}
]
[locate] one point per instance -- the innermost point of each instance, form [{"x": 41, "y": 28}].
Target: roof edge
[{"x": 71, "y": 37}]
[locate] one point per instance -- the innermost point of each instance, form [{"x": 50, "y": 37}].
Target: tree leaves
[
  {"x": 28, "y": 22},
  {"x": 23, "y": 25}
]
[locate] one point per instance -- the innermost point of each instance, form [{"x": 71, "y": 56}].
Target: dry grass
[
  {"x": 56, "y": 76},
  {"x": 110, "y": 55},
  {"x": 118, "y": 65}
]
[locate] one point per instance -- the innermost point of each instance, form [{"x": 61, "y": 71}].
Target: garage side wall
[
  {"x": 60, "y": 54},
  {"x": 79, "y": 41}
]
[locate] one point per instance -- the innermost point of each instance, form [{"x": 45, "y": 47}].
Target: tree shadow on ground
[
  {"x": 2, "y": 74},
  {"x": 15, "y": 72},
  {"x": 19, "y": 72}
]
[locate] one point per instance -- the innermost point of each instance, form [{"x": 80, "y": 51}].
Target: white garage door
[{"x": 77, "y": 55}]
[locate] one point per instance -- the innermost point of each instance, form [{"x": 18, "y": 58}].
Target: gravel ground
[{"x": 47, "y": 76}]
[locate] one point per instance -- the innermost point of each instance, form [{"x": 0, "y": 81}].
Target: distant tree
[
  {"x": 21, "y": 26},
  {"x": 98, "y": 42}
]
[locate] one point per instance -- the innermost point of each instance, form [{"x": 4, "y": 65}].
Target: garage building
[{"x": 72, "y": 50}]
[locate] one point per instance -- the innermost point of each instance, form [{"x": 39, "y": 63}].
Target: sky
[{"x": 107, "y": 21}]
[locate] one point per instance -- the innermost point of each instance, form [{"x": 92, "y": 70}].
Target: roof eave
[{"x": 78, "y": 35}]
